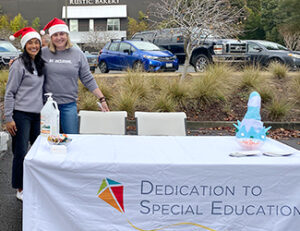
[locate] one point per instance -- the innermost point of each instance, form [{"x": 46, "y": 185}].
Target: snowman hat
[
  {"x": 54, "y": 26},
  {"x": 27, "y": 33}
]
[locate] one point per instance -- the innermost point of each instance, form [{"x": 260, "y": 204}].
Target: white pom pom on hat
[
  {"x": 12, "y": 38},
  {"x": 27, "y": 33},
  {"x": 54, "y": 26}
]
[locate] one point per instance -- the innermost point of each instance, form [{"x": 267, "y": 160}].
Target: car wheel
[
  {"x": 138, "y": 66},
  {"x": 274, "y": 60},
  {"x": 103, "y": 67},
  {"x": 201, "y": 63}
]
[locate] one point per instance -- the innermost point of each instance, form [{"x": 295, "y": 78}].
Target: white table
[{"x": 147, "y": 183}]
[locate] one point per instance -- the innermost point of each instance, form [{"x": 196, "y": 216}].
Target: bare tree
[
  {"x": 98, "y": 38},
  {"x": 94, "y": 40},
  {"x": 291, "y": 38},
  {"x": 197, "y": 20}
]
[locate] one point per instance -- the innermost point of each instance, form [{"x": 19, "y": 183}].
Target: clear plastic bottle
[{"x": 50, "y": 117}]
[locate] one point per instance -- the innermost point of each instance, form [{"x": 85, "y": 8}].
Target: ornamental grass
[{"x": 278, "y": 70}]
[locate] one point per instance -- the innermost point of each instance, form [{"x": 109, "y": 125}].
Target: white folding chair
[
  {"x": 97, "y": 122},
  {"x": 160, "y": 123}
]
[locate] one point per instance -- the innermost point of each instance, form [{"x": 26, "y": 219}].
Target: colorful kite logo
[{"x": 112, "y": 193}]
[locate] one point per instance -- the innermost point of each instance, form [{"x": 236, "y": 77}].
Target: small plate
[
  {"x": 277, "y": 154},
  {"x": 62, "y": 139},
  {"x": 245, "y": 153}
]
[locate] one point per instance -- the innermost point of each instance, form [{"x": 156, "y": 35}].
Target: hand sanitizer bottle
[{"x": 50, "y": 117}]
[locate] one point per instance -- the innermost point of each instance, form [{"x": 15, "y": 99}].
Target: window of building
[
  {"x": 73, "y": 24},
  {"x": 113, "y": 24},
  {"x": 91, "y": 25}
]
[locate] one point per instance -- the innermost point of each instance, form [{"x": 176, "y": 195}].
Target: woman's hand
[
  {"x": 104, "y": 106},
  {"x": 11, "y": 127}
]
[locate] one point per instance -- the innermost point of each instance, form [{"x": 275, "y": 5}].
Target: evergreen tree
[
  {"x": 270, "y": 20},
  {"x": 36, "y": 24},
  {"x": 252, "y": 24},
  {"x": 18, "y": 23},
  {"x": 137, "y": 25},
  {"x": 4, "y": 22},
  {"x": 289, "y": 14}
]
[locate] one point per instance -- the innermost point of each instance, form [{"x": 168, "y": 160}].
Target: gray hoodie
[
  {"x": 24, "y": 91},
  {"x": 62, "y": 70}
]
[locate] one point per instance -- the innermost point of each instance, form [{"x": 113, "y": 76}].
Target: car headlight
[
  {"x": 294, "y": 55},
  {"x": 150, "y": 57}
]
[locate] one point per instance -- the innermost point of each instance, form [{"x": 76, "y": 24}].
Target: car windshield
[
  {"x": 7, "y": 47},
  {"x": 145, "y": 46},
  {"x": 272, "y": 46}
]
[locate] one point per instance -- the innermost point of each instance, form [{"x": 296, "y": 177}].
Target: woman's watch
[{"x": 102, "y": 99}]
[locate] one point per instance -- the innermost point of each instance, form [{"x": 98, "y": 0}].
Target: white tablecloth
[{"x": 109, "y": 183}]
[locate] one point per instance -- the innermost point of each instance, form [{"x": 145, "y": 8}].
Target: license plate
[{"x": 169, "y": 64}]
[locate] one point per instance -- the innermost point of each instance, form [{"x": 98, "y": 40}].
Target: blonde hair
[{"x": 52, "y": 47}]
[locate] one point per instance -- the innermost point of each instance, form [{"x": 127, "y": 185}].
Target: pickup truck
[{"x": 210, "y": 50}]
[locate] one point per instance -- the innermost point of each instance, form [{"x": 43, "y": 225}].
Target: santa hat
[
  {"x": 27, "y": 34},
  {"x": 54, "y": 26}
]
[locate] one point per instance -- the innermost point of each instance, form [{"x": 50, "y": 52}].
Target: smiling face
[
  {"x": 33, "y": 47},
  {"x": 59, "y": 40}
]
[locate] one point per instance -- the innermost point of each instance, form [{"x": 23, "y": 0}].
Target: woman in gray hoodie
[
  {"x": 64, "y": 65},
  {"x": 24, "y": 100}
]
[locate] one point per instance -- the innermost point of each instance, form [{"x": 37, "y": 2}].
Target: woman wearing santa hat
[
  {"x": 64, "y": 65},
  {"x": 24, "y": 100}
]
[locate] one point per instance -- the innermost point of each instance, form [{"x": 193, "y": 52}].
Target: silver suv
[{"x": 7, "y": 52}]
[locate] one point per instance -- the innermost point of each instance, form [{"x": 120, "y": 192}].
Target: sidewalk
[{"x": 11, "y": 208}]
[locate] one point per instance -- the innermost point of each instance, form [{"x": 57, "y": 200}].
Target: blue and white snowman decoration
[{"x": 251, "y": 133}]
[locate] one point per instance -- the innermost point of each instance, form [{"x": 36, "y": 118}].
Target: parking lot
[{"x": 180, "y": 70}]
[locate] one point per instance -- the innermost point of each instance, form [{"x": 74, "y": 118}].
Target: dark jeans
[{"x": 28, "y": 129}]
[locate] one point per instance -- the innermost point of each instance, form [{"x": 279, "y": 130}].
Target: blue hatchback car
[{"x": 138, "y": 55}]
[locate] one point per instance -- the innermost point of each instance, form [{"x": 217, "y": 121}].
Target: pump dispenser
[{"x": 50, "y": 117}]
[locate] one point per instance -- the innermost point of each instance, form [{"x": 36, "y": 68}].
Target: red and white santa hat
[
  {"x": 27, "y": 33},
  {"x": 54, "y": 26}
]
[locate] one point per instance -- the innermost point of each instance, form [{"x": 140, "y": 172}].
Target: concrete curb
[
  {"x": 194, "y": 125},
  {"x": 211, "y": 124}
]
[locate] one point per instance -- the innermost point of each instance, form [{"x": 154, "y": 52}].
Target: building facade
[{"x": 103, "y": 19}]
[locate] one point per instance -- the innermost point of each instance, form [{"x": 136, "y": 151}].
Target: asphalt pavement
[{"x": 11, "y": 208}]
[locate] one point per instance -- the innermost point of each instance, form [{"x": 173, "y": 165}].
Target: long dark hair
[{"x": 38, "y": 61}]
